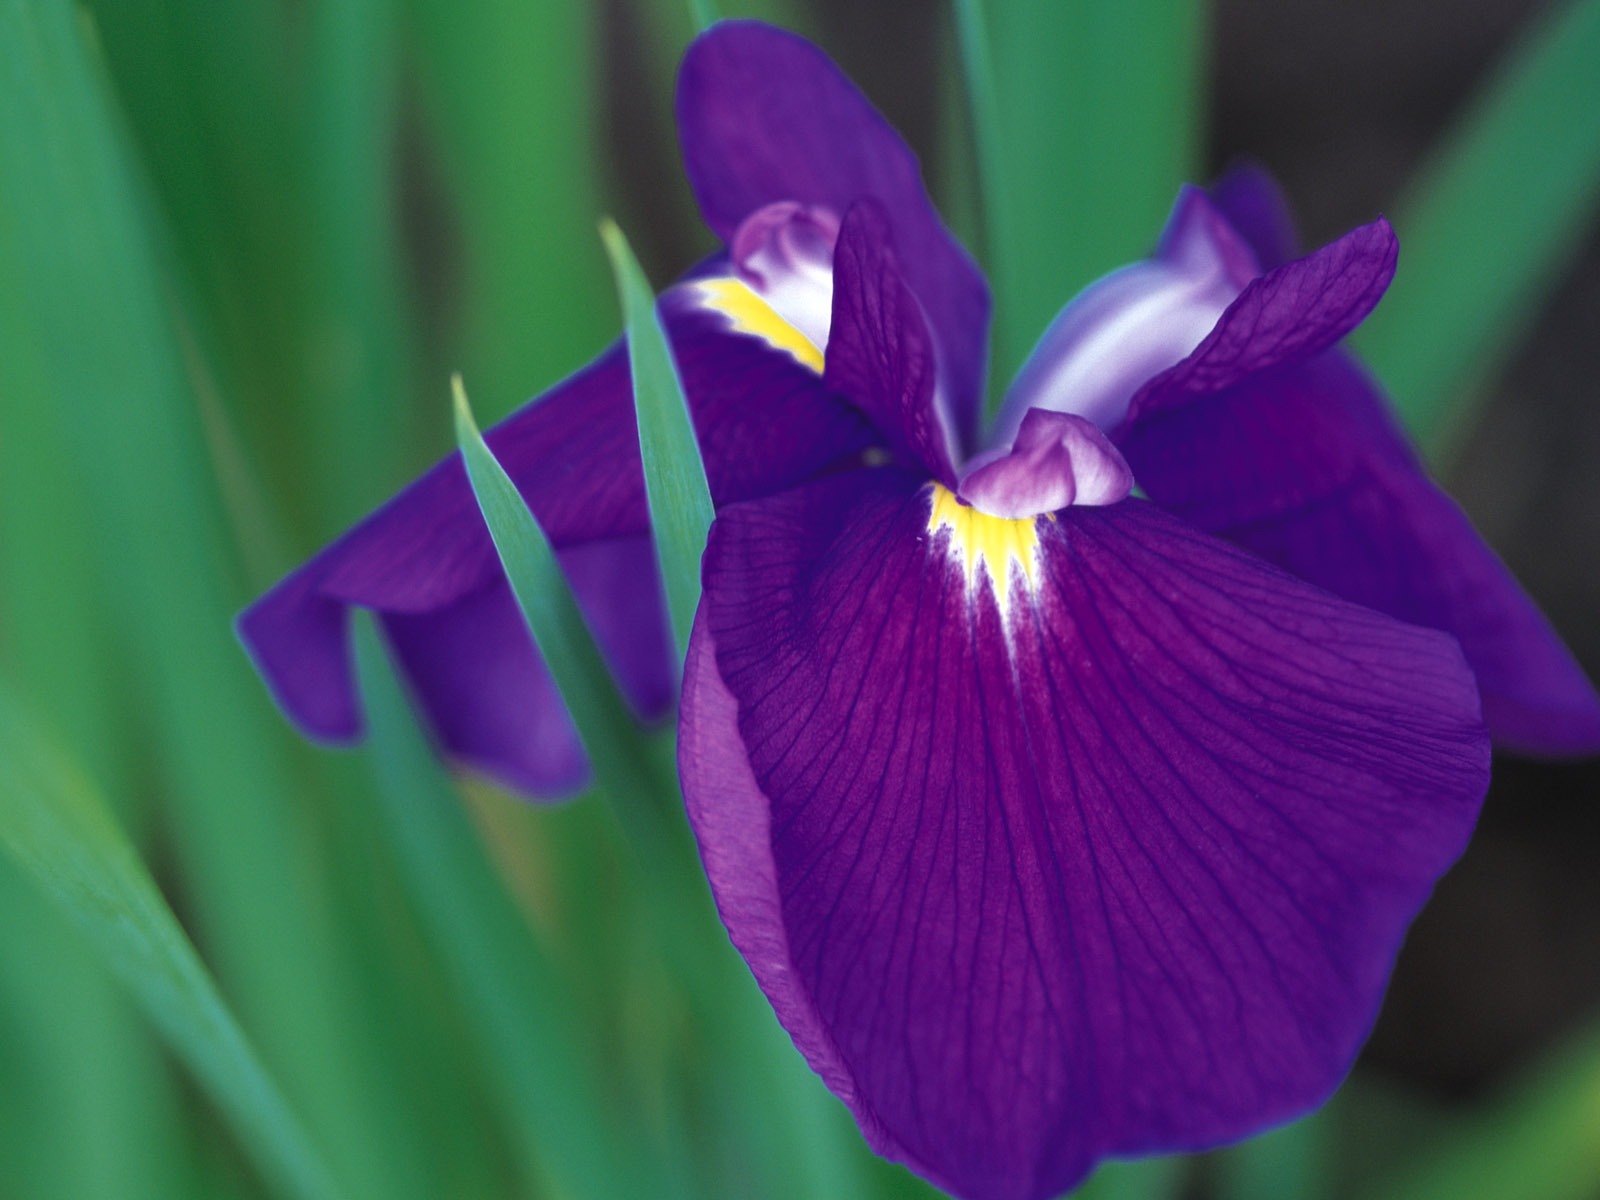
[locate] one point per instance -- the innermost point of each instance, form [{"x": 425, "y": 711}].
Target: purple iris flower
[{"x": 1052, "y": 825}]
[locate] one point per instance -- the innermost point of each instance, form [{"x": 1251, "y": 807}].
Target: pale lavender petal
[
  {"x": 1058, "y": 459},
  {"x": 785, "y": 253},
  {"x": 1291, "y": 313},
  {"x": 765, "y": 422},
  {"x": 765, "y": 117},
  {"x": 1135, "y": 323},
  {"x": 1118, "y": 866},
  {"x": 880, "y": 353},
  {"x": 1304, "y": 466}
]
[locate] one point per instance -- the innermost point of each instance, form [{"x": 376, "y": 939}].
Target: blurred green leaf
[
  {"x": 703, "y": 13},
  {"x": 55, "y": 826},
  {"x": 1292, "y": 1162},
  {"x": 522, "y": 1011},
  {"x": 1144, "y": 1179},
  {"x": 1488, "y": 225},
  {"x": 1540, "y": 1141},
  {"x": 357, "y": 343},
  {"x": 674, "y": 475},
  {"x": 502, "y": 161},
  {"x": 1086, "y": 119},
  {"x": 92, "y": 295}
]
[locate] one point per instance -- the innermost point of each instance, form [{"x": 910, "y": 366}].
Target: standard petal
[
  {"x": 1292, "y": 312},
  {"x": 765, "y": 421},
  {"x": 1135, "y": 323},
  {"x": 1257, "y": 209},
  {"x": 1304, "y": 466},
  {"x": 1116, "y": 867},
  {"x": 765, "y": 117},
  {"x": 880, "y": 353}
]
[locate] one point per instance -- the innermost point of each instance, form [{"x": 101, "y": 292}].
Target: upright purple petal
[
  {"x": 425, "y": 561},
  {"x": 1111, "y": 857},
  {"x": 1135, "y": 323},
  {"x": 1290, "y": 313},
  {"x": 880, "y": 354},
  {"x": 765, "y": 117},
  {"x": 1255, "y": 206},
  {"x": 1304, "y": 466}
]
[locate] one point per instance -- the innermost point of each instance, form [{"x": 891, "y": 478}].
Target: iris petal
[
  {"x": 880, "y": 353},
  {"x": 1305, "y": 467},
  {"x": 765, "y": 422},
  {"x": 765, "y": 117},
  {"x": 1290, "y": 313},
  {"x": 1121, "y": 873},
  {"x": 1255, "y": 206}
]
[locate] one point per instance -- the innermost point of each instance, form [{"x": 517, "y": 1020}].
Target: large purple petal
[
  {"x": 880, "y": 354},
  {"x": 1290, "y": 313},
  {"x": 1304, "y": 466},
  {"x": 765, "y": 117},
  {"x": 765, "y": 422},
  {"x": 1117, "y": 866}
]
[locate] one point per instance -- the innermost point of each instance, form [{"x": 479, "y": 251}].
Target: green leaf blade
[
  {"x": 62, "y": 835},
  {"x": 1486, "y": 229},
  {"x": 1086, "y": 119},
  {"x": 674, "y": 474}
]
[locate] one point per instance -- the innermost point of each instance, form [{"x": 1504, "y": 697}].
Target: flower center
[{"x": 998, "y": 548}]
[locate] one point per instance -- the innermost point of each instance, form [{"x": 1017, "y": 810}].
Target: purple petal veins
[
  {"x": 1294, "y": 455},
  {"x": 1120, "y": 871}
]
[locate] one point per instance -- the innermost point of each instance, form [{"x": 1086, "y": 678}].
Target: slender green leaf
[
  {"x": 521, "y": 1008},
  {"x": 994, "y": 198},
  {"x": 77, "y": 247},
  {"x": 804, "y": 1142},
  {"x": 60, "y": 832},
  {"x": 1093, "y": 125},
  {"x": 674, "y": 475},
  {"x": 1539, "y": 1142},
  {"x": 556, "y": 623},
  {"x": 1488, "y": 225}
]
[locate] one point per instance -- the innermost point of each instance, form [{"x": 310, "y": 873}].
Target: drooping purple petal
[
  {"x": 765, "y": 422},
  {"x": 1116, "y": 866},
  {"x": 765, "y": 117},
  {"x": 1304, "y": 466},
  {"x": 1135, "y": 323},
  {"x": 1058, "y": 459},
  {"x": 1290, "y": 313},
  {"x": 485, "y": 691},
  {"x": 880, "y": 353}
]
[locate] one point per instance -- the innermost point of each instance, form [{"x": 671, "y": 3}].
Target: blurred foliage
[{"x": 242, "y": 246}]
